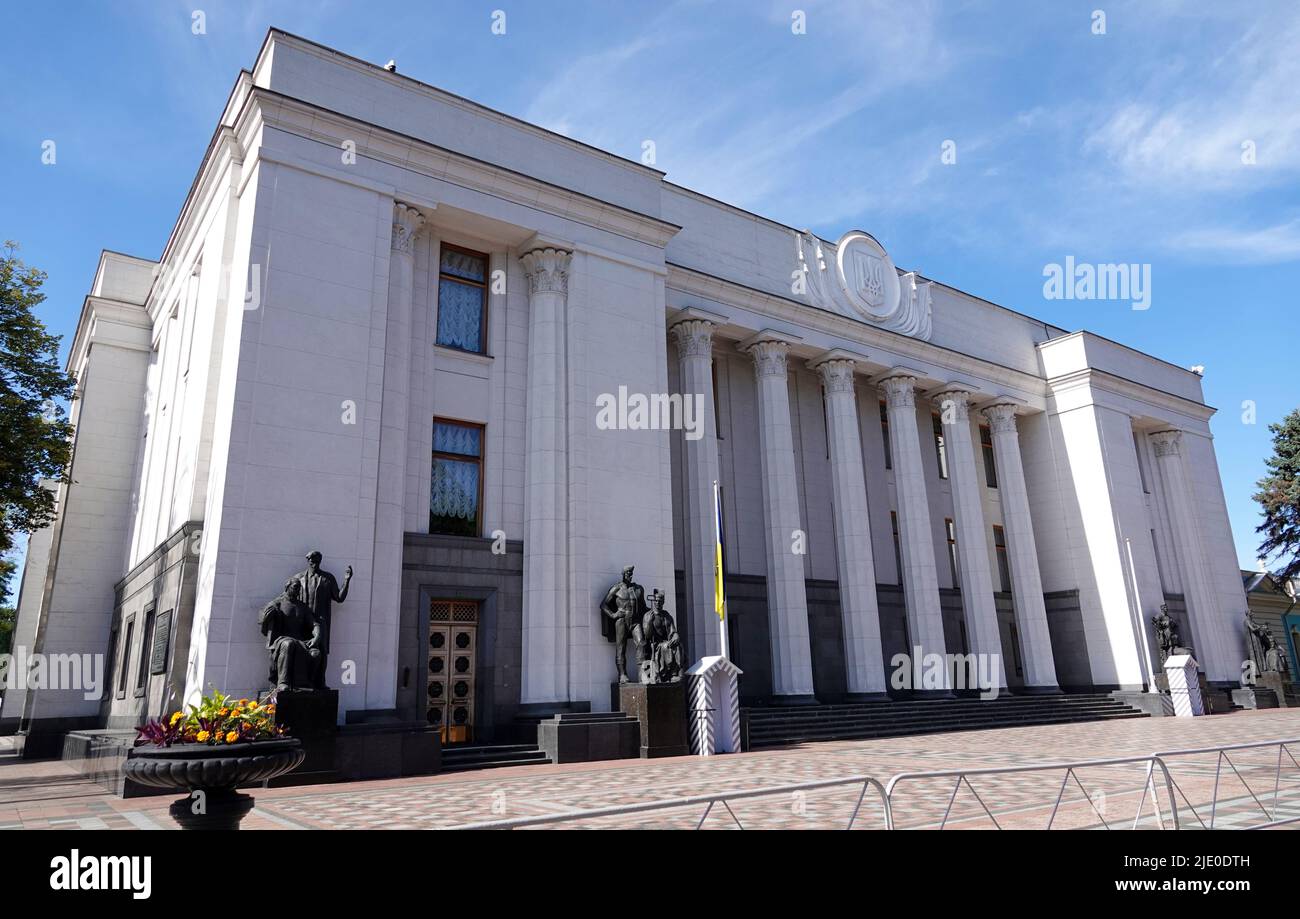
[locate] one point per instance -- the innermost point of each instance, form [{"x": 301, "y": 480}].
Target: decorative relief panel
[{"x": 857, "y": 278}]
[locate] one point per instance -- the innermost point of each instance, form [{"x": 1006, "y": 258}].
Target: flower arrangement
[{"x": 217, "y": 719}]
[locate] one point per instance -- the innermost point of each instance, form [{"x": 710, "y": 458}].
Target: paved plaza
[{"x": 51, "y": 795}]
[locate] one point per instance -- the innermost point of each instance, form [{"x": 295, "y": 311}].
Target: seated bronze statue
[{"x": 293, "y": 636}]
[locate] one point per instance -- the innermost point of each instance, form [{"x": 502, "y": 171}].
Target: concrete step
[
  {"x": 460, "y": 759},
  {"x": 771, "y": 727},
  {"x": 766, "y": 742}
]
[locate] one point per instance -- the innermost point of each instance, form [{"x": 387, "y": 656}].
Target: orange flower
[
  {"x": 231, "y": 737},
  {"x": 202, "y": 736}
]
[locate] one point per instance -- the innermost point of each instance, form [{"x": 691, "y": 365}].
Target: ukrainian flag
[{"x": 719, "y": 595}]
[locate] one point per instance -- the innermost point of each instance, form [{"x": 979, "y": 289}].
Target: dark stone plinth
[
  {"x": 386, "y": 750},
  {"x": 307, "y": 712},
  {"x": 1037, "y": 691},
  {"x": 661, "y": 710},
  {"x": 1254, "y": 697},
  {"x": 311, "y": 715},
  {"x": 591, "y": 737}
]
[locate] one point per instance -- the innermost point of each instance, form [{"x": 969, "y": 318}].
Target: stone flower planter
[{"x": 216, "y": 771}]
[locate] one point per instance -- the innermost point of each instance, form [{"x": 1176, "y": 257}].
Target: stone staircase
[
  {"x": 782, "y": 726},
  {"x": 491, "y": 756}
]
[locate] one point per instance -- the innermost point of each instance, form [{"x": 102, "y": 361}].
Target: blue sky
[{"x": 1116, "y": 147}]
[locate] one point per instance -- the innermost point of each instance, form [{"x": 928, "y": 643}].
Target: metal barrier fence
[
  {"x": 1222, "y": 757},
  {"x": 1154, "y": 763}
]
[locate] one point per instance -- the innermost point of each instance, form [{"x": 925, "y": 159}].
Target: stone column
[
  {"x": 1207, "y": 643},
  {"x": 859, "y": 611},
  {"x": 695, "y": 359},
  {"x": 390, "y": 489},
  {"x": 1022, "y": 552},
  {"x": 545, "y": 664},
  {"x": 916, "y": 539},
  {"x": 787, "y": 601},
  {"x": 973, "y": 563}
]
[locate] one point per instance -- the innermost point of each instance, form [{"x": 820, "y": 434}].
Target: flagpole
[{"x": 720, "y": 598}]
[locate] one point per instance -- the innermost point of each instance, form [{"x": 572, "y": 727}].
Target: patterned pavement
[{"x": 51, "y": 795}]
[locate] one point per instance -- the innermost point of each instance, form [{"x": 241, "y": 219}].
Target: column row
[{"x": 787, "y": 600}]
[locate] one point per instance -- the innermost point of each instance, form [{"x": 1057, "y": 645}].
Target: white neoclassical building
[{"x": 383, "y": 327}]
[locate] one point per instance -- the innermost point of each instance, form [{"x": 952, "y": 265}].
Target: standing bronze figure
[
  {"x": 620, "y": 621},
  {"x": 1265, "y": 652},
  {"x": 320, "y": 591},
  {"x": 1167, "y": 638},
  {"x": 293, "y": 634}
]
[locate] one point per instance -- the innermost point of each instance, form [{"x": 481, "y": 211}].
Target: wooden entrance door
[{"x": 453, "y": 668}]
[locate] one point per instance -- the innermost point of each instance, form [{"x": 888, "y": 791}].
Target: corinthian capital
[
  {"x": 1002, "y": 418},
  {"x": 900, "y": 391},
  {"x": 837, "y": 375},
  {"x": 547, "y": 270},
  {"x": 407, "y": 222},
  {"x": 954, "y": 406},
  {"x": 769, "y": 358},
  {"x": 1167, "y": 443},
  {"x": 694, "y": 338}
]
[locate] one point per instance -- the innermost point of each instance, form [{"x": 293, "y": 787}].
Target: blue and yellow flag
[{"x": 719, "y": 595}]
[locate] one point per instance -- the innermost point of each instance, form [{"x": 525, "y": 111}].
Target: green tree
[
  {"x": 8, "y": 615},
  {"x": 35, "y": 434},
  {"x": 1279, "y": 497}
]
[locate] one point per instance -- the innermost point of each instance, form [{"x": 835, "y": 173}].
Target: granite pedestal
[
  {"x": 660, "y": 708},
  {"x": 576, "y": 737},
  {"x": 1252, "y": 697}
]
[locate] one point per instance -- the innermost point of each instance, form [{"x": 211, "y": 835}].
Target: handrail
[
  {"x": 1154, "y": 761},
  {"x": 673, "y": 803}
]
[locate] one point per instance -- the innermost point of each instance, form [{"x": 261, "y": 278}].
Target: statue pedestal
[
  {"x": 660, "y": 708},
  {"x": 1254, "y": 697},
  {"x": 311, "y": 715},
  {"x": 1273, "y": 680}
]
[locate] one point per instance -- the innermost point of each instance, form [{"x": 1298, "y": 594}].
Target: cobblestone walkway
[{"x": 51, "y": 795}]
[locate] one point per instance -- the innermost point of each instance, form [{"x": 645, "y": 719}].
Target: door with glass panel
[{"x": 453, "y": 669}]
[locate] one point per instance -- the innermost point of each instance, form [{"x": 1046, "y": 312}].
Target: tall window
[
  {"x": 462, "y": 299},
  {"x": 940, "y": 448},
  {"x": 1000, "y": 549},
  {"x": 456, "y": 492},
  {"x": 146, "y": 648},
  {"x": 126, "y": 657},
  {"x": 986, "y": 446},
  {"x": 1141, "y": 461},
  {"x": 884, "y": 432},
  {"x": 950, "y": 532},
  {"x": 898, "y": 546}
]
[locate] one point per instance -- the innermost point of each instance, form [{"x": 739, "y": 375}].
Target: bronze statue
[
  {"x": 1167, "y": 637},
  {"x": 661, "y": 657},
  {"x": 293, "y": 634},
  {"x": 1264, "y": 649},
  {"x": 621, "y": 617},
  {"x": 320, "y": 591}
]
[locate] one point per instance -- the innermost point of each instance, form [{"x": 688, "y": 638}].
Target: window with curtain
[
  {"x": 456, "y": 489},
  {"x": 462, "y": 299}
]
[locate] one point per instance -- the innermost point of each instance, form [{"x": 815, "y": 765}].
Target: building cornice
[
  {"x": 1105, "y": 381},
  {"x": 898, "y": 348},
  {"x": 322, "y": 125}
]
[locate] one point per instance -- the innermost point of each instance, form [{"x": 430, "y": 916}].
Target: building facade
[{"x": 487, "y": 366}]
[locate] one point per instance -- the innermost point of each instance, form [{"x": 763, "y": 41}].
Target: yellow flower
[
  {"x": 231, "y": 737},
  {"x": 176, "y": 716},
  {"x": 202, "y": 736}
]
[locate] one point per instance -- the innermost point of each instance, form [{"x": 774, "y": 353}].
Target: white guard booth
[
  {"x": 1184, "y": 685},
  {"x": 715, "y": 706}
]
